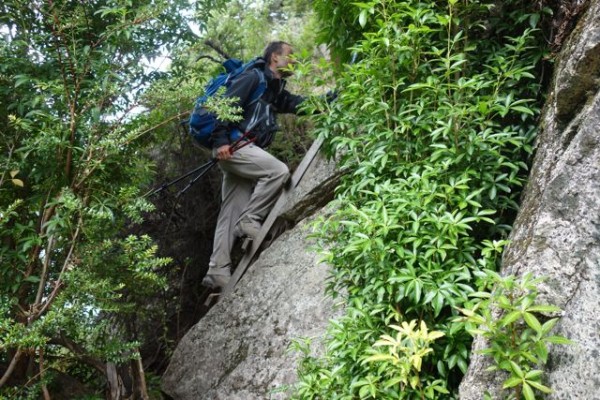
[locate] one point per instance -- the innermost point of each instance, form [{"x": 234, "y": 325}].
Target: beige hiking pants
[{"x": 252, "y": 180}]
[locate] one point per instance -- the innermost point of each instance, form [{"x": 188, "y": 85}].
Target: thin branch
[
  {"x": 211, "y": 58},
  {"x": 217, "y": 48},
  {"x": 116, "y": 28},
  {"x": 44, "y": 387},
  {"x": 40, "y": 292},
  {"x": 10, "y": 153},
  {"x": 101, "y": 158},
  {"x": 59, "y": 282},
  {"x": 161, "y": 124},
  {"x": 11, "y": 368},
  {"x": 58, "y": 54},
  {"x": 80, "y": 353},
  {"x": 45, "y": 215}
]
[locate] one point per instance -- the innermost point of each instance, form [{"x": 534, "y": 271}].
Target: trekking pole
[
  {"x": 203, "y": 169},
  {"x": 234, "y": 147},
  {"x": 207, "y": 165}
]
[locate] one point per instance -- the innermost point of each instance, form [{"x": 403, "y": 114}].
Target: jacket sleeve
[
  {"x": 242, "y": 88},
  {"x": 288, "y": 103}
]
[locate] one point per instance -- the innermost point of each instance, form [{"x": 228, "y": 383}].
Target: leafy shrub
[
  {"x": 68, "y": 73},
  {"x": 518, "y": 340},
  {"x": 433, "y": 124}
]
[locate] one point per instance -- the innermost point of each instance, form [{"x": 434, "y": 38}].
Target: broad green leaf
[
  {"x": 523, "y": 109},
  {"x": 362, "y": 18},
  {"x": 512, "y": 382},
  {"x": 558, "y": 340},
  {"x": 540, "y": 387},
  {"x": 542, "y": 351},
  {"x": 532, "y": 321},
  {"x": 510, "y": 318},
  {"x": 543, "y": 309},
  {"x": 548, "y": 325},
  {"x": 516, "y": 369},
  {"x": 379, "y": 357},
  {"x": 534, "y": 374},
  {"x": 528, "y": 392},
  {"x": 21, "y": 79}
]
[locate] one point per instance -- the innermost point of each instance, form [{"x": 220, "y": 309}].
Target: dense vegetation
[
  {"x": 434, "y": 126},
  {"x": 72, "y": 175},
  {"x": 88, "y": 124}
]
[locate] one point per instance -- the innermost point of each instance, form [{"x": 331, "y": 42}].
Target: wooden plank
[{"x": 273, "y": 214}]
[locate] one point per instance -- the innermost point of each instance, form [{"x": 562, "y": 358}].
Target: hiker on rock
[{"x": 252, "y": 178}]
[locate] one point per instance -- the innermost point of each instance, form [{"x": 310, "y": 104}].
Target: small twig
[{"x": 211, "y": 58}]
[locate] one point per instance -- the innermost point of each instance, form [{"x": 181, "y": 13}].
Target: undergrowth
[{"x": 434, "y": 125}]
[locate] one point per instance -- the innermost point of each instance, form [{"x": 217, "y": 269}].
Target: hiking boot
[
  {"x": 247, "y": 228},
  {"x": 217, "y": 278}
]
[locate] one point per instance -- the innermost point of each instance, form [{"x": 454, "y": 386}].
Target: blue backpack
[{"x": 202, "y": 122}]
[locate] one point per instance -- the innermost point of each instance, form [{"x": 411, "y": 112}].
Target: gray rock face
[
  {"x": 557, "y": 231},
  {"x": 239, "y": 349},
  {"x": 313, "y": 192}
]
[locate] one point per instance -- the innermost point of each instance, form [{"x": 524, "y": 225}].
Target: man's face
[{"x": 284, "y": 61}]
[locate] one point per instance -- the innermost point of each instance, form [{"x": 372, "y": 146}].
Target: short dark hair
[{"x": 274, "y": 47}]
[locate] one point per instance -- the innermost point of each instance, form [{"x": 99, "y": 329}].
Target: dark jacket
[{"x": 259, "y": 116}]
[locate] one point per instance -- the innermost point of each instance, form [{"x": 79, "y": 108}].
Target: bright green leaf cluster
[
  {"x": 518, "y": 339},
  {"x": 433, "y": 126},
  {"x": 71, "y": 168},
  {"x": 406, "y": 352}
]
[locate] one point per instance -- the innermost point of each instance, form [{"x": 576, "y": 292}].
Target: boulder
[
  {"x": 557, "y": 231},
  {"x": 239, "y": 349}
]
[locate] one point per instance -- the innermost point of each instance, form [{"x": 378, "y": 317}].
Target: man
[{"x": 252, "y": 178}]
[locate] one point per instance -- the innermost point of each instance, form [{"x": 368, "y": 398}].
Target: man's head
[{"x": 277, "y": 55}]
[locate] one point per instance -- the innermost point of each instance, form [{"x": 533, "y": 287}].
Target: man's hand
[{"x": 224, "y": 152}]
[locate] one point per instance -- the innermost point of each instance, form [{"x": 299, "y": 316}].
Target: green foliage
[
  {"x": 404, "y": 360},
  {"x": 518, "y": 339},
  {"x": 71, "y": 171},
  {"x": 333, "y": 16},
  {"x": 433, "y": 125},
  {"x": 224, "y": 108}
]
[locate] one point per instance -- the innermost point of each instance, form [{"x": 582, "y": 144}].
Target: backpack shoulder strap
[{"x": 262, "y": 85}]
